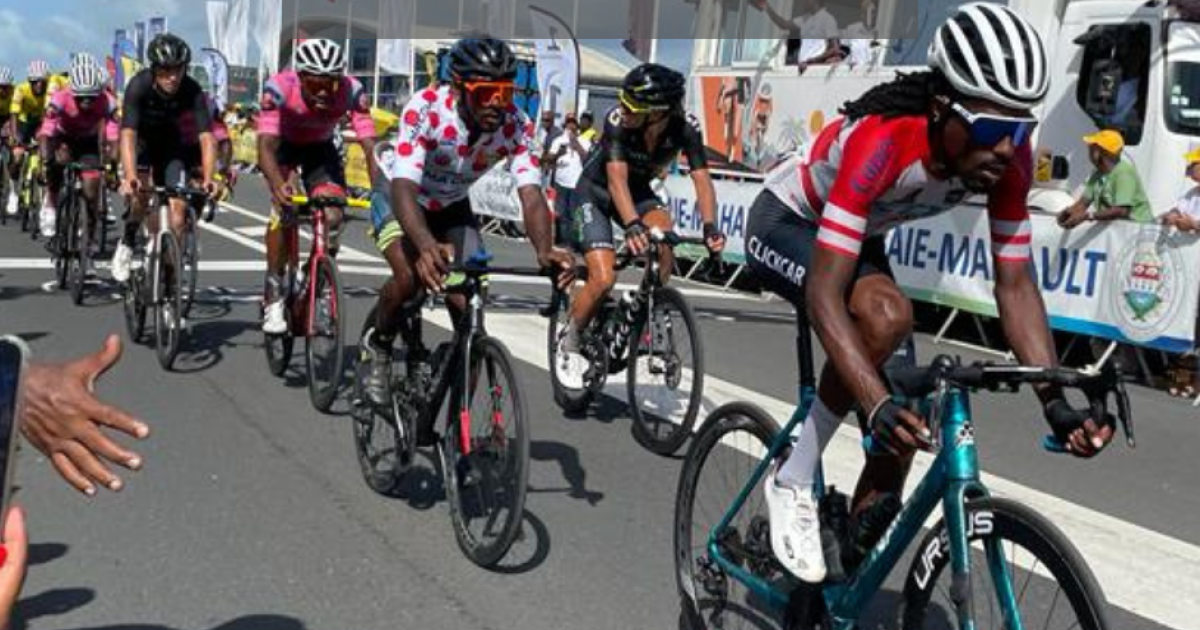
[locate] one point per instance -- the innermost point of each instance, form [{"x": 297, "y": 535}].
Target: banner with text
[{"x": 1117, "y": 280}]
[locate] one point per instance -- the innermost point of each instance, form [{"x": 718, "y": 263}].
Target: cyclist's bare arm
[
  {"x": 537, "y": 219},
  {"x": 267, "y": 148},
  {"x": 368, "y": 147},
  {"x": 618, "y": 188},
  {"x": 129, "y": 153},
  {"x": 208, "y": 156},
  {"x": 1023, "y": 318},
  {"x": 404, "y": 206},
  {"x": 706, "y": 195}
]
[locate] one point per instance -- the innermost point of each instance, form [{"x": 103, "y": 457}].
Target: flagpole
[
  {"x": 295, "y": 29},
  {"x": 378, "y": 44},
  {"x": 654, "y": 34}
]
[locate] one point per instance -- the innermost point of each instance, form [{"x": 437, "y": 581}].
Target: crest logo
[{"x": 1146, "y": 294}]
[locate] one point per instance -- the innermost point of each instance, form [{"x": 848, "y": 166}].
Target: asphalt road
[{"x": 251, "y": 512}]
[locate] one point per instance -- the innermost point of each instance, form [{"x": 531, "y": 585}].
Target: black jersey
[
  {"x": 618, "y": 144},
  {"x": 152, "y": 113}
]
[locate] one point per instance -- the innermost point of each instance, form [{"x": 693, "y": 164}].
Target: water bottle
[{"x": 836, "y": 541}]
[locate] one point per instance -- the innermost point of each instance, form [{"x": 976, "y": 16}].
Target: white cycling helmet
[
  {"x": 320, "y": 56},
  {"x": 6, "y": 76},
  {"x": 987, "y": 51},
  {"x": 87, "y": 79},
  {"x": 38, "y": 70}
]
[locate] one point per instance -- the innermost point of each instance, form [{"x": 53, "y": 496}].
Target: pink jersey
[
  {"x": 64, "y": 119},
  {"x": 432, "y": 150},
  {"x": 285, "y": 114},
  {"x": 860, "y": 179}
]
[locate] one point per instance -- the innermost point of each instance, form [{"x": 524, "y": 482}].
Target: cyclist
[
  {"x": 641, "y": 139},
  {"x": 449, "y": 137},
  {"x": 28, "y": 107},
  {"x": 905, "y": 149},
  {"x": 301, "y": 111},
  {"x": 155, "y": 106},
  {"x": 190, "y": 137},
  {"x": 80, "y": 121},
  {"x": 6, "y": 96}
]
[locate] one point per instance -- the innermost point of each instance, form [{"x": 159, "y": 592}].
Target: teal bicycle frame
[{"x": 952, "y": 480}]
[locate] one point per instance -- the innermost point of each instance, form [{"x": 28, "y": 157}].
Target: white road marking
[
  {"x": 1140, "y": 570},
  {"x": 346, "y": 253}
]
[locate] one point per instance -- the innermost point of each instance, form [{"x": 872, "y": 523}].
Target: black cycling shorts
[
  {"x": 596, "y": 213},
  {"x": 169, "y": 163},
  {"x": 27, "y": 131},
  {"x": 456, "y": 225},
  {"x": 318, "y": 163},
  {"x": 85, "y": 151},
  {"x": 779, "y": 247}
]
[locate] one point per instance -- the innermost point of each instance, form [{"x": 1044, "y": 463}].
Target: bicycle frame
[
  {"x": 952, "y": 479},
  {"x": 302, "y": 311}
]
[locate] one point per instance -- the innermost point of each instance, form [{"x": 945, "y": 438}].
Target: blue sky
[{"x": 51, "y": 29}]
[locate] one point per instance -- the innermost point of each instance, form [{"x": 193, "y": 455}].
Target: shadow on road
[
  {"x": 529, "y": 551},
  {"x": 573, "y": 472},
  {"x": 249, "y": 622},
  {"x": 42, "y": 553},
  {"x": 54, "y": 602},
  {"x": 204, "y": 346},
  {"x": 753, "y": 613}
]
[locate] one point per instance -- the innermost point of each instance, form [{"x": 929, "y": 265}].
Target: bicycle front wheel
[
  {"x": 486, "y": 484},
  {"x": 324, "y": 345},
  {"x": 77, "y": 254},
  {"x": 570, "y": 400},
  {"x": 168, "y": 311},
  {"x": 666, "y": 374},
  {"x": 191, "y": 265},
  {"x": 383, "y": 439},
  {"x": 721, "y": 460},
  {"x": 1051, "y": 585}
]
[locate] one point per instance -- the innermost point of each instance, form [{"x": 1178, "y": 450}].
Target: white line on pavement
[
  {"x": 346, "y": 253},
  {"x": 1139, "y": 569}
]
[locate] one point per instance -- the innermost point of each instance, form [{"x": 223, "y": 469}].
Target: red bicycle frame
[{"x": 302, "y": 319}]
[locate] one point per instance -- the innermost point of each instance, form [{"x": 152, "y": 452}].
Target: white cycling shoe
[
  {"x": 122, "y": 260},
  {"x": 274, "y": 322},
  {"x": 795, "y": 529}
]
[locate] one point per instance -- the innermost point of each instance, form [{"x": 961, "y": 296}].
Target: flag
[
  {"x": 236, "y": 46},
  {"x": 218, "y": 22},
  {"x": 267, "y": 24},
  {"x": 217, "y": 68},
  {"x": 139, "y": 39},
  {"x": 557, "y": 63},
  {"x": 396, "y": 19},
  {"x": 156, "y": 26}
]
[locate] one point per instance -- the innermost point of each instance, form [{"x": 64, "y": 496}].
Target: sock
[{"x": 800, "y": 469}]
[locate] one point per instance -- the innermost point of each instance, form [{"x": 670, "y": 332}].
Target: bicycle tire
[
  {"x": 191, "y": 265},
  {"x": 168, "y": 312},
  {"x": 278, "y": 348},
  {"x": 101, "y": 227},
  {"x": 569, "y": 400},
  {"x": 5, "y": 157},
  {"x": 76, "y": 251},
  {"x": 507, "y": 471},
  {"x": 325, "y": 344},
  {"x": 32, "y": 205},
  {"x": 59, "y": 245},
  {"x": 1047, "y": 543},
  {"x": 383, "y": 463},
  {"x": 704, "y": 596},
  {"x": 134, "y": 302},
  {"x": 668, "y": 434}
]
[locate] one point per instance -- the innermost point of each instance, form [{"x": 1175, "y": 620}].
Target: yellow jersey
[
  {"x": 26, "y": 106},
  {"x": 386, "y": 123}
]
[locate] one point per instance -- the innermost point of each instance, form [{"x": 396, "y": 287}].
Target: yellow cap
[
  {"x": 1192, "y": 157},
  {"x": 1107, "y": 139}
]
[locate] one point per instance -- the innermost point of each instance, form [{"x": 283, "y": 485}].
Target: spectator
[
  {"x": 1114, "y": 191},
  {"x": 858, "y": 39},
  {"x": 547, "y": 131},
  {"x": 587, "y": 127},
  {"x": 568, "y": 151},
  {"x": 62, "y": 418},
  {"x": 816, "y": 28},
  {"x": 1185, "y": 216}
]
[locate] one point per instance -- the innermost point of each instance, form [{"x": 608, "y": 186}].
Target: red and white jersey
[
  {"x": 432, "y": 151},
  {"x": 862, "y": 178}
]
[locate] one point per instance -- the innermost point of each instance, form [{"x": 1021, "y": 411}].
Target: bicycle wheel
[
  {"x": 1052, "y": 584},
  {"x": 324, "y": 345},
  {"x": 190, "y": 255},
  {"x": 665, "y": 378},
  {"x": 722, "y": 458},
  {"x": 4, "y": 184},
  {"x": 383, "y": 438},
  {"x": 279, "y": 347},
  {"x": 486, "y": 488},
  {"x": 101, "y": 227},
  {"x": 77, "y": 253},
  {"x": 133, "y": 299},
  {"x": 32, "y": 204},
  {"x": 570, "y": 400},
  {"x": 59, "y": 245},
  {"x": 168, "y": 312}
]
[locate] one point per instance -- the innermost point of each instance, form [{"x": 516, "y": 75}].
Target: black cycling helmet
[
  {"x": 168, "y": 50},
  {"x": 651, "y": 87},
  {"x": 483, "y": 58}
]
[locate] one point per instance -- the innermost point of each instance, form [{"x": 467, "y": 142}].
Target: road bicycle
[
  {"x": 157, "y": 282},
  {"x": 483, "y": 452},
  {"x": 198, "y": 209},
  {"x": 650, "y": 333},
  {"x": 313, "y": 303},
  {"x": 5, "y": 181},
  {"x": 984, "y": 547},
  {"x": 30, "y": 190},
  {"x": 70, "y": 248}
]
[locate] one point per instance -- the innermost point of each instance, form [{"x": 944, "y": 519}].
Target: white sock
[{"x": 800, "y": 468}]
